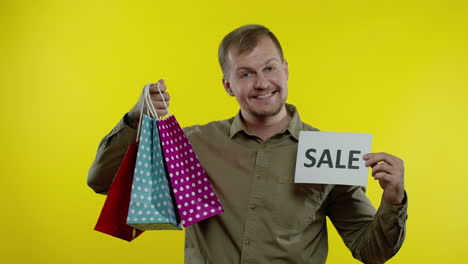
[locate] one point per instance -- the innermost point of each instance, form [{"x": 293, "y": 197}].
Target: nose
[{"x": 261, "y": 82}]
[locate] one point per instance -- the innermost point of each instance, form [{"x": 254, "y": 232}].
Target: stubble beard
[{"x": 266, "y": 114}]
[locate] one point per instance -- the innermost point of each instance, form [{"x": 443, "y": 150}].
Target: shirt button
[
  {"x": 252, "y": 206},
  {"x": 247, "y": 242}
]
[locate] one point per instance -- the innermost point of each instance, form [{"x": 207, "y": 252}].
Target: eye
[
  {"x": 270, "y": 69},
  {"x": 246, "y": 74}
]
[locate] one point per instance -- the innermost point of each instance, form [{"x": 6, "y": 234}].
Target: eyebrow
[
  {"x": 271, "y": 59},
  {"x": 248, "y": 68}
]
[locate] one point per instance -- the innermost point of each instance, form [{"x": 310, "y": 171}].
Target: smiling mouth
[{"x": 263, "y": 96}]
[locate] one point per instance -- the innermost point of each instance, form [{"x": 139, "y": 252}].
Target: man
[{"x": 250, "y": 160}]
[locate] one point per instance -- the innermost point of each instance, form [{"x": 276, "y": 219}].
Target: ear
[
  {"x": 227, "y": 86},
  {"x": 286, "y": 69}
]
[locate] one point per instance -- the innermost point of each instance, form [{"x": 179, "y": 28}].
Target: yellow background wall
[{"x": 69, "y": 70}]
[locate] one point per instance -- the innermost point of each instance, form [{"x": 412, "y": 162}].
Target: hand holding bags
[
  {"x": 193, "y": 192},
  {"x": 151, "y": 204},
  {"x": 140, "y": 194}
]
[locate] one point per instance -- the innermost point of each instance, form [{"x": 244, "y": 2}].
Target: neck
[{"x": 266, "y": 127}]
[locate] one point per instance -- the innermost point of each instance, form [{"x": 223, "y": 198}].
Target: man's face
[{"x": 258, "y": 79}]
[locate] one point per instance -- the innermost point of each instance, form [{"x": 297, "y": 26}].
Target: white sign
[{"x": 332, "y": 158}]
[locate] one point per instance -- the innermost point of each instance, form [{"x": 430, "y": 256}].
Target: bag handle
[
  {"x": 149, "y": 104},
  {"x": 164, "y": 101},
  {"x": 150, "y": 110}
]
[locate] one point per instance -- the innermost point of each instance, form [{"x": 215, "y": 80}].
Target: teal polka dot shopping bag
[{"x": 151, "y": 203}]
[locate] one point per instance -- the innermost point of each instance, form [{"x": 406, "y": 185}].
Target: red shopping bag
[{"x": 113, "y": 218}]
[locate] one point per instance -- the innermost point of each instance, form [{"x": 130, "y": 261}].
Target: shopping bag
[
  {"x": 151, "y": 205},
  {"x": 194, "y": 194},
  {"x": 113, "y": 217}
]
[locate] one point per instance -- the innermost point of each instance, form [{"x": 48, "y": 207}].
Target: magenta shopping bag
[{"x": 194, "y": 195}]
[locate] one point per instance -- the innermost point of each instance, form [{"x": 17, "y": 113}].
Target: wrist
[{"x": 394, "y": 198}]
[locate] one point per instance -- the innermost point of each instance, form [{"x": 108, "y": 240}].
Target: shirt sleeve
[
  {"x": 110, "y": 153},
  {"x": 372, "y": 236}
]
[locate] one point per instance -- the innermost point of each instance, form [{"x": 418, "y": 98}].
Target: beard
[{"x": 265, "y": 113}]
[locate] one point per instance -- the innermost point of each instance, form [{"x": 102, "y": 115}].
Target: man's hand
[
  {"x": 389, "y": 170},
  {"x": 156, "y": 100}
]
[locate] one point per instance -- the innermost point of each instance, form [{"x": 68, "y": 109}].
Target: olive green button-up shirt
[{"x": 268, "y": 218}]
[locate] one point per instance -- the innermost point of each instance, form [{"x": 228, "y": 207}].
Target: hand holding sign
[{"x": 389, "y": 170}]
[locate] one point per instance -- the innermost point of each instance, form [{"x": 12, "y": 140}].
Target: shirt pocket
[
  {"x": 298, "y": 205},
  {"x": 282, "y": 164}
]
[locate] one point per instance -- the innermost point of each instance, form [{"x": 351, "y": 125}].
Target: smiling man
[
  {"x": 256, "y": 73},
  {"x": 250, "y": 160}
]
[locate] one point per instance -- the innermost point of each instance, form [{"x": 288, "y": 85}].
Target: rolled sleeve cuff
[
  {"x": 391, "y": 212},
  {"x": 126, "y": 132}
]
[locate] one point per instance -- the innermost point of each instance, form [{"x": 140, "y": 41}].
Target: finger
[
  {"x": 383, "y": 176},
  {"x": 161, "y": 112},
  {"x": 374, "y": 158},
  {"x": 154, "y": 87},
  {"x": 382, "y": 167},
  {"x": 157, "y": 96},
  {"x": 160, "y": 105}
]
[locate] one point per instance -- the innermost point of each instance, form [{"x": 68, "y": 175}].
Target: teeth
[{"x": 265, "y": 95}]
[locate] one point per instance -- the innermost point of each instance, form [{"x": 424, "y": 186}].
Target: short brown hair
[{"x": 245, "y": 39}]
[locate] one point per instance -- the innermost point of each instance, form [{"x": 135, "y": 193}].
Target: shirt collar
[{"x": 294, "y": 127}]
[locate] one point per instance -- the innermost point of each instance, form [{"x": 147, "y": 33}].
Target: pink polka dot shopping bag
[{"x": 193, "y": 192}]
